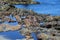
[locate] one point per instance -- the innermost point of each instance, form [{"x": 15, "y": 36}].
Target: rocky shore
[
  {"x": 46, "y": 27},
  {"x": 14, "y": 2}
]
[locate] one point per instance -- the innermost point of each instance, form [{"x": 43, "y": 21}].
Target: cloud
[{"x": 2, "y": 37}]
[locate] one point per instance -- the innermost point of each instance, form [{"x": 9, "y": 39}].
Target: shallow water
[{"x": 46, "y": 7}]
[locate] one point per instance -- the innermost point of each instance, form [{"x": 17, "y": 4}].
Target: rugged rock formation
[
  {"x": 29, "y": 21},
  {"x": 6, "y": 27},
  {"x": 18, "y": 2}
]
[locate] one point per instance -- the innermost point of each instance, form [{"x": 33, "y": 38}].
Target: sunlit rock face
[{"x": 6, "y": 27}]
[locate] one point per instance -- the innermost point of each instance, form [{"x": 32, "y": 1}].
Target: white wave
[
  {"x": 2, "y": 37},
  {"x": 24, "y": 39}
]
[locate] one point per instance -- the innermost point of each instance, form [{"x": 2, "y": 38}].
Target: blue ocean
[{"x": 45, "y": 7}]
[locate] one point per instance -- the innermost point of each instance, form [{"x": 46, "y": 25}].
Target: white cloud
[{"x": 2, "y": 37}]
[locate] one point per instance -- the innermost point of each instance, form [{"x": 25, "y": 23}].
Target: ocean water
[{"x": 45, "y": 7}]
